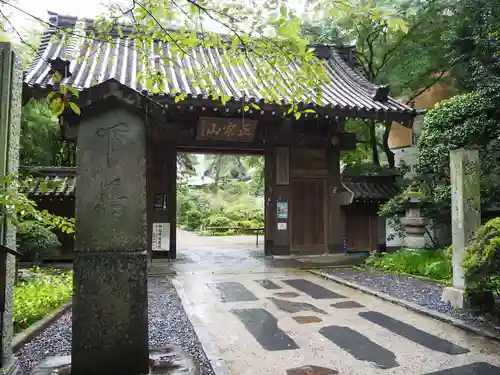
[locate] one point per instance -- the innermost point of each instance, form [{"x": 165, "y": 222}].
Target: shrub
[
  {"x": 253, "y": 223},
  {"x": 219, "y": 220},
  {"x": 232, "y": 205},
  {"x": 434, "y": 264},
  {"x": 37, "y": 297},
  {"x": 36, "y": 241},
  {"x": 482, "y": 260}
]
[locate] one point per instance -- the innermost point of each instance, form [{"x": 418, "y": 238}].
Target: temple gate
[{"x": 303, "y": 189}]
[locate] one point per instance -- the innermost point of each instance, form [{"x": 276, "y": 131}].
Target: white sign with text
[{"x": 161, "y": 236}]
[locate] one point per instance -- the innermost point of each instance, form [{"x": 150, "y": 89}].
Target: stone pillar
[
  {"x": 110, "y": 315},
  {"x": 465, "y": 215},
  {"x": 10, "y": 125}
]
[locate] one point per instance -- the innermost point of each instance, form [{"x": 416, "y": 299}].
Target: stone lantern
[{"x": 413, "y": 221}]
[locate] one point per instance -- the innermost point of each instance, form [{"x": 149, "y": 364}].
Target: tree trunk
[
  {"x": 385, "y": 146},
  {"x": 374, "y": 143}
]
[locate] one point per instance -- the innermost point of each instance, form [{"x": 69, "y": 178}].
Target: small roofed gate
[
  {"x": 364, "y": 228},
  {"x": 302, "y": 156}
]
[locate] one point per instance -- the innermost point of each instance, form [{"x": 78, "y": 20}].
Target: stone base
[
  {"x": 454, "y": 296},
  {"x": 167, "y": 360},
  {"x": 110, "y": 313},
  {"x": 13, "y": 368},
  {"x": 414, "y": 242}
]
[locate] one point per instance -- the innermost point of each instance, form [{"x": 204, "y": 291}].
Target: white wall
[{"x": 408, "y": 156}]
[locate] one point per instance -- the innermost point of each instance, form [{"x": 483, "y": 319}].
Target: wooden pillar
[
  {"x": 277, "y": 201},
  {"x": 335, "y": 226},
  {"x": 270, "y": 206},
  {"x": 171, "y": 172},
  {"x": 162, "y": 197}
]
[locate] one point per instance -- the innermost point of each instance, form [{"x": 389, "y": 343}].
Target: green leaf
[
  {"x": 52, "y": 95},
  {"x": 57, "y": 77},
  {"x": 73, "y": 90},
  {"x": 57, "y": 106},
  {"x": 283, "y": 11},
  {"x": 298, "y": 115},
  {"x": 120, "y": 31},
  {"x": 235, "y": 42},
  {"x": 75, "y": 108}
]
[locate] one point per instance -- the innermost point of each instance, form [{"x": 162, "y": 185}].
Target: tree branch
[{"x": 436, "y": 80}]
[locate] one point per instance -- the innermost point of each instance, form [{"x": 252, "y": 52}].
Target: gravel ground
[
  {"x": 423, "y": 293},
  {"x": 168, "y": 324}
]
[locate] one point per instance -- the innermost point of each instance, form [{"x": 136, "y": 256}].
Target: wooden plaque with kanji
[{"x": 226, "y": 129}]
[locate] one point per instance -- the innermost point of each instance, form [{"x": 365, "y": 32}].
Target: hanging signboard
[
  {"x": 282, "y": 210},
  {"x": 226, "y": 129},
  {"x": 161, "y": 237}
]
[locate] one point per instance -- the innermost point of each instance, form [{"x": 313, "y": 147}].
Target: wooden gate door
[
  {"x": 308, "y": 214},
  {"x": 361, "y": 231}
]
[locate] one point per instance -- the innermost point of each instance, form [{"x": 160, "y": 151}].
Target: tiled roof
[
  {"x": 60, "y": 181},
  {"x": 371, "y": 187},
  {"x": 94, "y": 62},
  {"x": 51, "y": 181}
]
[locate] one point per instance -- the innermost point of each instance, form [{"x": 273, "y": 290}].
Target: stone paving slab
[{"x": 410, "y": 343}]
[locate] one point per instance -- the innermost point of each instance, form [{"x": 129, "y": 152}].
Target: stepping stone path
[{"x": 260, "y": 323}]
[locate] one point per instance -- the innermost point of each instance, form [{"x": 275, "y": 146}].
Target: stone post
[
  {"x": 10, "y": 125},
  {"x": 110, "y": 315},
  {"x": 465, "y": 215}
]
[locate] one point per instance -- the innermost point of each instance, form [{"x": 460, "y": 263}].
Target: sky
[
  {"x": 81, "y": 8},
  {"x": 39, "y": 8}
]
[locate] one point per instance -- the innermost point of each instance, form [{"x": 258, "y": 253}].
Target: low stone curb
[
  {"x": 219, "y": 365},
  {"x": 36, "y": 328},
  {"x": 412, "y": 306}
]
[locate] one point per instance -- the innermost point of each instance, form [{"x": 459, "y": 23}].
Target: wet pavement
[
  {"x": 235, "y": 254},
  {"x": 219, "y": 254},
  {"x": 268, "y": 317}
]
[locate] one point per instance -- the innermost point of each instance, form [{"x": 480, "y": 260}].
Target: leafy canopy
[
  {"x": 17, "y": 207},
  {"x": 397, "y": 43},
  {"x": 473, "y": 43},
  {"x": 41, "y": 142},
  {"x": 464, "y": 121}
]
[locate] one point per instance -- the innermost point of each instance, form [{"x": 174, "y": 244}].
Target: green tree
[
  {"x": 364, "y": 147},
  {"x": 465, "y": 121},
  {"x": 186, "y": 163},
  {"x": 473, "y": 43},
  {"x": 17, "y": 208},
  {"x": 387, "y": 45},
  {"x": 42, "y": 143},
  {"x": 224, "y": 167},
  {"x": 256, "y": 165}
]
